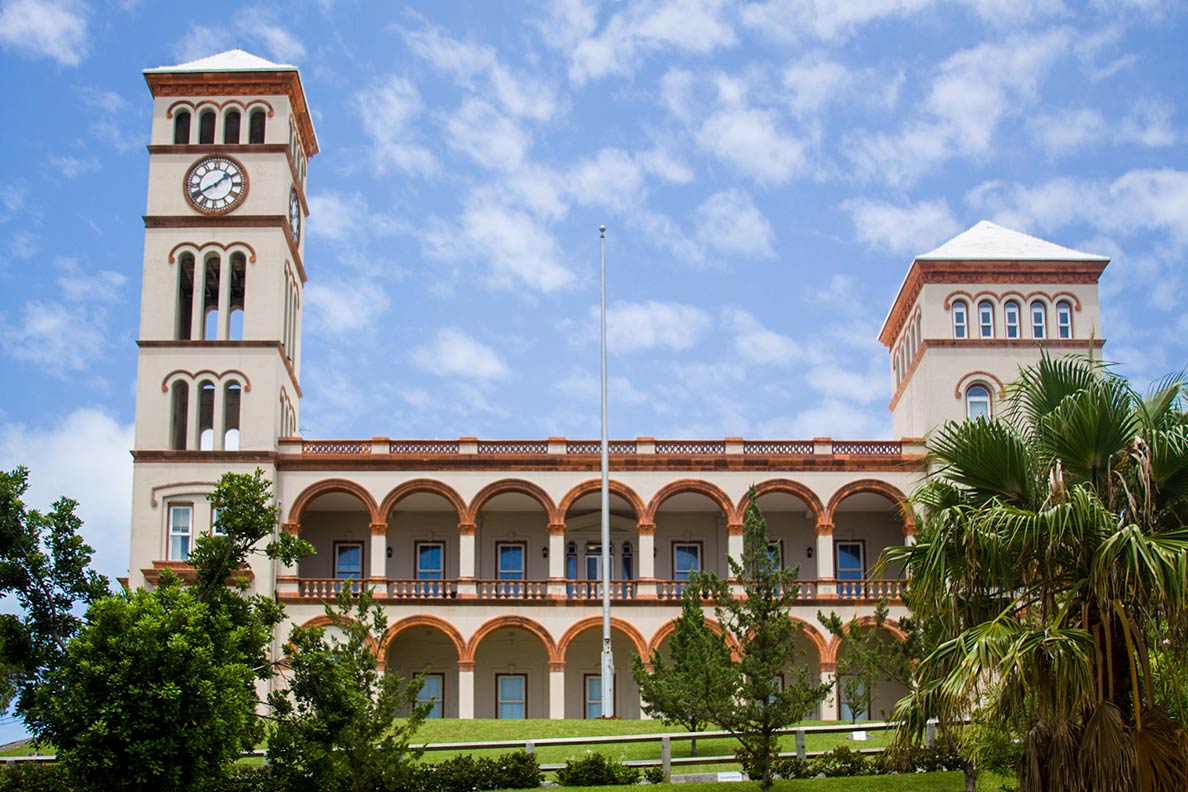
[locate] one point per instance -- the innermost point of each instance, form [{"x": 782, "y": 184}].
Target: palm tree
[{"x": 1051, "y": 554}]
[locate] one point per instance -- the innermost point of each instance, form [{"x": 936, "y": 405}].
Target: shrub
[
  {"x": 464, "y": 773},
  {"x": 596, "y": 770},
  {"x": 245, "y": 778},
  {"x": 654, "y": 774},
  {"x": 793, "y": 767},
  {"x": 841, "y": 761},
  {"x": 34, "y": 777}
]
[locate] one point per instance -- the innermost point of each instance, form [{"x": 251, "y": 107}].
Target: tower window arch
[
  {"x": 232, "y": 401},
  {"x": 206, "y": 126},
  {"x": 181, "y": 127},
  {"x": 1063, "y": 320},
  {"x": 256, "y": 126},
  {"x": 1011, "y": 311},
  {"x": 1039, "y": 319},
  {"x": 185, "y": 296},
  {"x": 179, "y": 403},
  {"x": 986, "y": 319},
  {"x": 206, "y": 412},
  {"x": 977, "y": 402},
  {"x": 960, "y": 320},
  {"x": 209, "y": 300},
  {"x": 231, "y": 127},
  {"x": 238, "y": 296}
]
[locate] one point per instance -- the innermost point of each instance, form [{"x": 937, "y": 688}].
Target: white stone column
[
  {"x": 465, "y": 690},
  {"x": 830, "y": 707},
  {"x": 377, "y": 569},
  {"x": 647, "y": 551},
  {"x": 466, "y": 551},
  {"x": 826, "y": 573},
  {"x": 198, "y": 300},
  {"x": 223, "y": 327},
  {"x": 556, "y": 551},
  {"x": 193, "y": 432},
  {"x": 556, "y": 691},
  {"x": 734, "y": 545}
]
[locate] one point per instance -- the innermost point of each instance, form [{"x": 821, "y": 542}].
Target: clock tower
[{"x": 218, "y": 375}]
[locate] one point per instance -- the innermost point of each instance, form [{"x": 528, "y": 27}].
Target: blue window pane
[
  {"x": 686, "y": 559},
  {"x": 511, "y": 711},
  {"x": 593, "y": 697},
  {"x": 571, "y": 567},
  {"x": 849, "y": 562},
  {"x": 348, "y": 562},
  {"x": 511, "y": 697},
  {"x": 429, "y": 562},
  {"x": 511, "y": 562},
  {"x": 432, "y": 691},
  {"x": 593, "y": 568}
]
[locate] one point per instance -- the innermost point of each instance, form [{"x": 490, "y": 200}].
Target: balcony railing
[{"x": 577, "y": 591}]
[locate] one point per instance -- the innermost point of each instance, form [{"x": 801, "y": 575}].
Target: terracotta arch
[
  {"x": 711, "y": 491},
  {"x": 581, "y": 625},
  {"x": 327, "y": 486},
  {"x": 889, "y": 625},
  {"x": 422, "y": 620},
  {"x": 888, "y": 491},
  {"x": 970, "y": 377},
  {"x": 322, "y": 620},
  {"x": 594, "y": 485},
  {"x": 784, "y": 485},
  {"x": 669, "y": 627},
  {"x": 534, "y": 491},
  {"x": 422, "y": 485},
  {"x": 524, "y": 623}
]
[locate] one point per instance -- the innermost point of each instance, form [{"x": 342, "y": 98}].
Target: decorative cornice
[
  {"x": 261, "y": 83},
  {"x": 231, "y": 221},
  {"x": 277, "y": 345}
]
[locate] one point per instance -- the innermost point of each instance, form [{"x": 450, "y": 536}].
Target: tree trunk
[{"x": 971, "y": 775}]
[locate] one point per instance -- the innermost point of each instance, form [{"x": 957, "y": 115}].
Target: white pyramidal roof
[
  {"x": 230, "y": 61},
  {"x": 988, "y": 241}
]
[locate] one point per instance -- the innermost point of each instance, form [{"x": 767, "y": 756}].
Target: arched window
[
  {"x": 210, "y": 298},
  {"x": 206, "y": 394},
  {"x": 231, "y": 127},
  {"x": 977, "y": 402},
  {"x": 238, "y": 295},
  {"x": 960, "y": 320},
  {"x": 206, "y": 125},
  {"x": 986, "y": 319},
  {"x": 179, "y": 398},
  {"x": 1039, "y": 318},
  {"x": 1011, "y": 310},
  {"x": 232, "y": 398},
  {"x": 1063, "y": 320},
  {"x": 185, "y": 295},
  {"x": 256, "y": 127},
  {"x": 181, "y": 127}
]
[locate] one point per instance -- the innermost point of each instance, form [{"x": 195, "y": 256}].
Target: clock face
[
  {"x": 216, "y": 185},
  {"x": 295, "y": 216}
]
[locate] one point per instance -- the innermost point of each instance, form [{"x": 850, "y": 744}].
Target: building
[{"x": 485, "y": 553}]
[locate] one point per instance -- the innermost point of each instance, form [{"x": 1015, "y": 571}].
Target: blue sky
[{"x": 766, "y": 170}]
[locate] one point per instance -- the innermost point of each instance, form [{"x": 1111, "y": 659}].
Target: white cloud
[
  {"x": 586, "y": 387},
  {"x": 83, "y": 456},
  {"x": 1068, "y": 130},
  {"x": 693, "y": 26},
  {"x": 345, "y": 306},
  {"x": 835, "y": 382},
  {"x": 454, "y": 353},
  {"x": 902, "y": 229},
  {"x": 487, "y": 136},
  {"x": 200, "y": 41},
  {"x": 730, "y": 223},
  {"x": 660, "y": 161},
  {"x": 54, "y": 336},
  {"x": 651, "y": 324},
  {"x": 74, "y": 166},
  {"x": 756, "y": 344},
  {"x": 831, "y": 418},
  {"x": 79, "y": 285},
  {"x": 751, "y": 140},
  {"x": 344, "y": 217},
  {"x": 388, "y": 109},
  {"x": 814, "y": 82},
  {"x": 1149, "y": 123},
  {"x": 280, "y": 44},
  {"x": 54, "y": 29},
  {"x": 611, "y": 180}
]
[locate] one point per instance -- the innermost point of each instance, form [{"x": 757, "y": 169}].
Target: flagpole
[{"x": 608, "y": 663}]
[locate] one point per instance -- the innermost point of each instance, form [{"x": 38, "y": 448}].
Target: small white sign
[
  {"x": 731, "y": 776},
  {"x": 859, "y": 735}
]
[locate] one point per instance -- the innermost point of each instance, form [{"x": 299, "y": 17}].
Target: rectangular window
[
  {"x": 851, "y": 568},
  {"x": 625, "y": 569},
  {"x": 686, "y": 559},
  {"x": 430, "y": 561},
  {"x": 215, "y": 528},
  {"x": 855, "y": 702},
  {"x": 433, "y": 690},
  {"x": 181, "y": 532},
  {"x": 986, "y": 320},
  {"x": 348, "y": 560},
  {"x": 511, "y": 557},
  {"x": 512, "y": 693},
  {"x": 1012, "y": 320},
  {"x": 775, "y": 551},
  {"x": 1038, "y": 319},
  {"x": 593, "y": 696}
]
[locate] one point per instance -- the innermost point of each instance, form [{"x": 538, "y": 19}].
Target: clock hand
[{"x": 217, "y": 182}]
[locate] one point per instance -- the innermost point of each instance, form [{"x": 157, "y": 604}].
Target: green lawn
[{"x": 914, "y": 782}]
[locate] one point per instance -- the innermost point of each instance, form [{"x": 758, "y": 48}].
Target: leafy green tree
[
  {"x": 1051, "y": 551},
  {"x": 157, "y": 690},
  {"x": 770, "y": 690},
  {"x": 683, "y": 689},
  {"x": 866, "y": 658},
  {"x": 45, "y": 569},
  {"x": 337, "y": 725}
]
